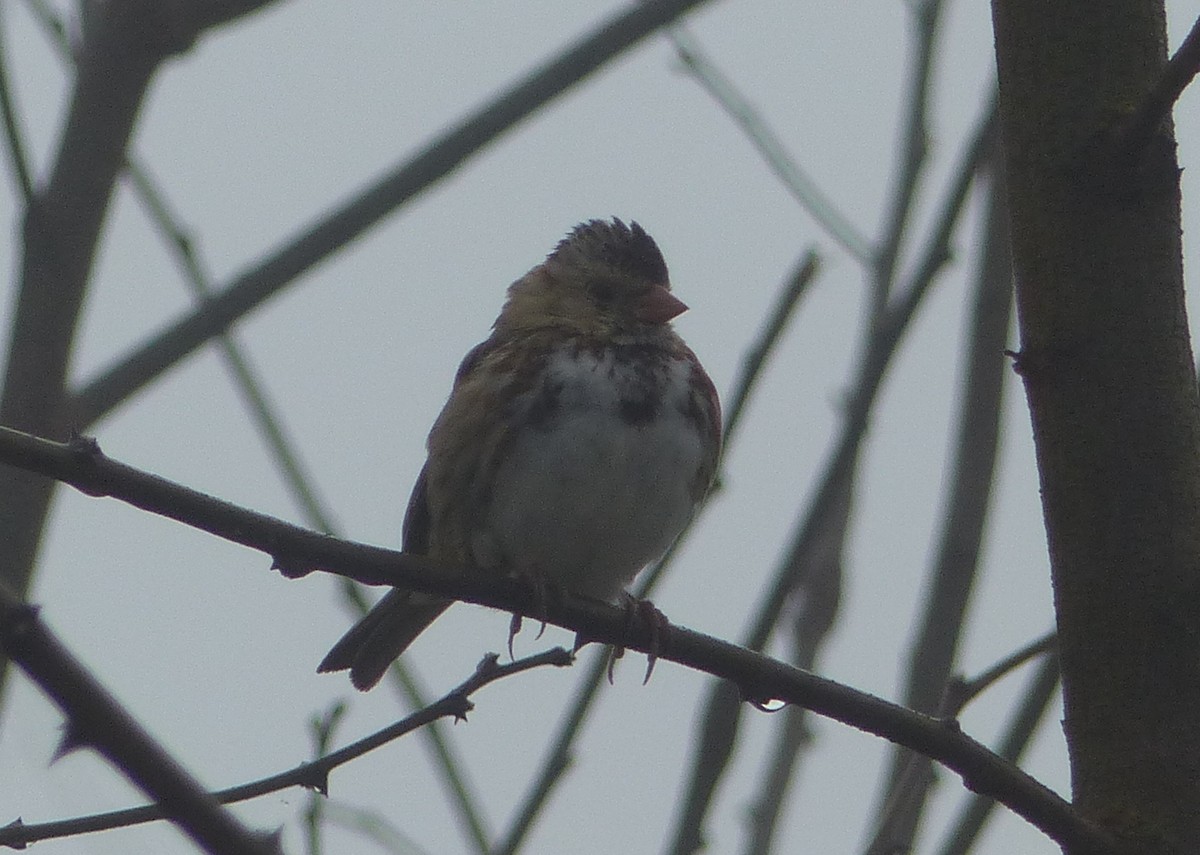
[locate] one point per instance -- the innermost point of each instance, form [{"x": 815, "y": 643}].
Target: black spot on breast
[
  {"x": 638, "y": 411},
  {"x": 545, "y": 406}
]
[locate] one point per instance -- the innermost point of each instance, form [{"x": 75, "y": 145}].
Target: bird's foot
[
  {"x": 539, "y": 592},
  {"x": 657, "y": 626}
]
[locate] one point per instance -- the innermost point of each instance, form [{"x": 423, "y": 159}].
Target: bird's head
[{"x": 605, "y": 279}]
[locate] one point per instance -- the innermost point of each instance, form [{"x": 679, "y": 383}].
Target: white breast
[{"x": 586, "y": 497}]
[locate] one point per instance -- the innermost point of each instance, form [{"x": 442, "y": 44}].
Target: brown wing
[{"x": 473, "y": 431}]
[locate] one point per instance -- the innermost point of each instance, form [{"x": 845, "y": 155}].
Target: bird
[{"x": 578, "y": 440}]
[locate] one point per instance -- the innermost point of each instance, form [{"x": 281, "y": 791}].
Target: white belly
[{"x": 588, "y": 497}]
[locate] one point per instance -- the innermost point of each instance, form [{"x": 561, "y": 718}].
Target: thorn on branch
[
  {"x": 289, "y": 567},
  {"x": 460, "y": 705},
  {"x": 15, "y": 825},
  {"x": 86, "y": 455},
  {"x": 1018, "y": 361},
  {"x": 72, "y": 740}
]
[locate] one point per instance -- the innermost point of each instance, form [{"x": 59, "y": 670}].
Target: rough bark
[{"x": 1108, "y": 372}]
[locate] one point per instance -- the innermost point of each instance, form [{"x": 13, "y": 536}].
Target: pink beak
[{"x": 659, "y": 306}]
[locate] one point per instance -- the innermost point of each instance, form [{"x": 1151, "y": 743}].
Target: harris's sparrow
[{"x": 576, "y": 443}]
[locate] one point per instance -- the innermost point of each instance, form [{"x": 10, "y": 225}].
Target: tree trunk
[{"x": 1108, "y": 372}]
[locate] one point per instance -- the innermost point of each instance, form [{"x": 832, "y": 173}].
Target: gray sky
[{"x": 269, "y": 122}]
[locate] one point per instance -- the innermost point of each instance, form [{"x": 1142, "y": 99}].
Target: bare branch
[
  {"x": 299, "y": 483},
  {"x": 1135, "y": 133},
  {"x": 182, "y": 245},
  {"x": 962, "y": 691},
  {"x": 952, "y": 576},
  {"x": 12, "y": 127},
  {"x": 96, "y": 720},
  {"x": 796, "y": 286},
  {"x": 123, "y": 45},
  {"x": 914, "y": 148},
  {"x": 1041, "y": 691},
  {"x": 818, "y": 599},
  {"x": 833, "y": 487},
  {"x": 796, "y": 180},
  {"x": 314, "y": 774},
  {"x": 297, "y": 551},
  {"x": 437, "y": 160}
]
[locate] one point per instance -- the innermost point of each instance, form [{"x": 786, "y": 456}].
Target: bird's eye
[{"x": 603, "y": 292}]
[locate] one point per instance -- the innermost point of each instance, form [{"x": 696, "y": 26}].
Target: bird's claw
[
  {"x": 657, "y": 626},
  {"x": 540, "y": 599},
  {"x": 514, "y": 626}
]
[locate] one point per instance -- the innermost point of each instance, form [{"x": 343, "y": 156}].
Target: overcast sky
[{"x": 264, "y": 126}]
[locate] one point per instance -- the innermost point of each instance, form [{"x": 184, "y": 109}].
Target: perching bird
[{"x": 576, "y": 443}]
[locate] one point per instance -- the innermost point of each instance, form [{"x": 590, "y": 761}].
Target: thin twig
[
  {"x": 913, "y": 151},
  {"x": 12, "y": 125},
  {"x": 373, "y": 827},
  {"x": 55, "y": 27},
  {"x": 786, "y": 302},
  {"x": 313, "y": 774},
  {"x": 937, "y": 252},
  {"x": 802, "y": 187},
  {"x": 952, "y": 574},
  {"x": 963, "y": 691},
  {"x": 321, "y": 730},
  {"x": 557, "y": 760},
  {"x": 467, "y": 808},
  {"x": 299, "y": 483},
  {"x": 297, "y": 551},
  {"x": 123, "y": 45},
  {"x": 246, "y": 379}
]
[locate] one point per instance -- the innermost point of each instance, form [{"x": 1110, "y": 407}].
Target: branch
[
  {"x": 12, "y": 128},
  {"x": 952, "y": 576},
  {"x": 1132, "y": 137},
  {"x": 818, "y": 599},
  {"x": 915, "y": 147},
  {"x": 123, "y": 45},
  {"x": 437, "y": 160},
  {"x": 911, "y": 776},
  {"x": 313, "y": 775},
  {"x": 300, "y": 485},
  {"x": 297, "y": 551},
  {"x": 961, "y": 692},
  {"x": 803, "y": 188},
  {"x": 795, "y": 288},
  {"x": 96, "y": 720},
  {"x": 834, "y": 486},
  {"x": 974, "y": 815}
]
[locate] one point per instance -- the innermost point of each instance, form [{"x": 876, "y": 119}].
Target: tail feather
[{"x": 372, "y": 644}]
